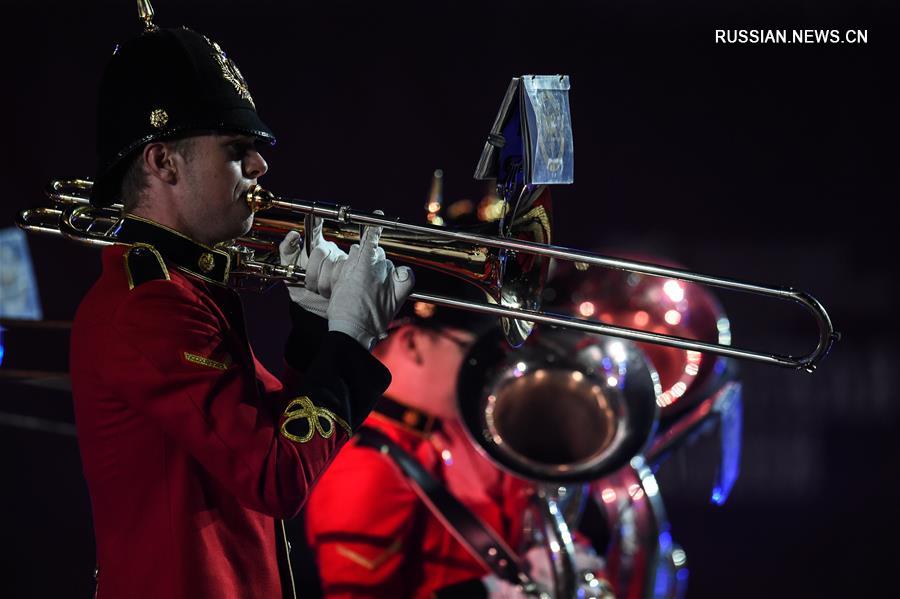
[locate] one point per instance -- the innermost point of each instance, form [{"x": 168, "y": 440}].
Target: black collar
[
  {"x": 411, "y": 419},
  {"x": 202, "y": 261}
]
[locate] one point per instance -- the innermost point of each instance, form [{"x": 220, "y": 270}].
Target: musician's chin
[{"x": 247, "y": 224}]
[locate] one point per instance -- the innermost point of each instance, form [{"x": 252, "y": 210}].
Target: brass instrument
[
  {"x": 510, "y": 266},
  {"x": 563, "y": 410},
  {"x": 577, "y": 415},
  {"x": 661, "y": 305}
]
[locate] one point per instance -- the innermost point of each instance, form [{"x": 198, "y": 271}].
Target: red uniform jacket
[
  {"x": 191, "y": 449},
  {"x": 371, "y": 534}
]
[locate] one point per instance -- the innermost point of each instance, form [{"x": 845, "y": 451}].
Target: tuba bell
[{"x": 562, "y": 410}]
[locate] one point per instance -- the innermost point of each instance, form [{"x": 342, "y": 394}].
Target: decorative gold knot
[
  {"x": 303, "y": 408},
  {"x": 206, "y": 262},
  {"x": 159, "y": 118}
]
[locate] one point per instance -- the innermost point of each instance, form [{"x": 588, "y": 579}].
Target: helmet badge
[{"x": 230, "y": 72}]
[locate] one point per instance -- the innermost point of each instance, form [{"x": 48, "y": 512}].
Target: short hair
[
  {"x": 431, "y": 330},
  {"x": 134, "y": 177}
]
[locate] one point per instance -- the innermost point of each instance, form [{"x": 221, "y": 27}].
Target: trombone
[{"x": 510, "y": 268}]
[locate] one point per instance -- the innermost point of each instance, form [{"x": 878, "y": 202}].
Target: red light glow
[{"x": 641, "y": 318}]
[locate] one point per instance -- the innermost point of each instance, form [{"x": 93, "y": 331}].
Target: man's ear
[
  {"x": 159, "y": 161},
  {"x": 410, "y": 340}
]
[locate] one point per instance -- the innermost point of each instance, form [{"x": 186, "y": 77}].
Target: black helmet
[
  {"x": 432, "y": 316},
  {"x": 163, "y": 84}
]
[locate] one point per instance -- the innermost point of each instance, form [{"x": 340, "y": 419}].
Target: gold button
[
  {"x": 159, "y": 118},
  {"x": 206, "y": 262},
  {"x": 410, "y": 418}
]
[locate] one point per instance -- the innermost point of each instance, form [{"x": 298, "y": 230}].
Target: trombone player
[
  {"x": 191, "y": 449},
  {"x": 370, "y": 532}
]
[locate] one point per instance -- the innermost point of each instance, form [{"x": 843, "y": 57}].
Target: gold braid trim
[
  {"x": 195, "y": 359},
  {"x": 303, "y": 407},
  {"x": 369, "y": 564}
]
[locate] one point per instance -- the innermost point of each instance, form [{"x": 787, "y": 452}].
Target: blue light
[
  {"x": 665, "y": 540},
  {"x": 719, "y": 367},
  {"x": 730, "y": 410},
  {"x": 19, "y": 296},
  {"x": 1, "y": 346},
  {"x": 662, "y": 584}
]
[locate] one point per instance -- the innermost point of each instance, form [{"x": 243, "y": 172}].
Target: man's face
[
  {"x": 443, "y": 358},
  {"x": 217, "y": 172}
]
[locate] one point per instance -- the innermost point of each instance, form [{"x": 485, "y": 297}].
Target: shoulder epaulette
[{"x": 143, "y": 263}]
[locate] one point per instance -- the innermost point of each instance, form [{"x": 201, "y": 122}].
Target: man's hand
[
  {"x": 498, "y": 588},
  {"x": 367, "y": 291},
  {"x": 321, "y": 268},
  {"x": 324, "y": 263},
  {"x": 541, "y": 571},
  {"x": 584, "y": 560}
]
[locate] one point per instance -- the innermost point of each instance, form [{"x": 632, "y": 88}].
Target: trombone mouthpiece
[{"x": 258, "y": 198}]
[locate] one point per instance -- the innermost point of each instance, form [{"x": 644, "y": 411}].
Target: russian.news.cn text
[{"x": 792, "y": 36}]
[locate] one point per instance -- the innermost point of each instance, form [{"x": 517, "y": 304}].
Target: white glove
[
  {"x": 324, "y": 263},
  {"x": 497, "y": 588},
  {"x": 541, "y": 572},
  {"x": 585, "y": 560},
  {"x": 322, "y": 260},
  {"x": 368, "y": 291}
]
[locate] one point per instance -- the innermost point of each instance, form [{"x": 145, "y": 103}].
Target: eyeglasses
[{"x": 463, "y": 344}]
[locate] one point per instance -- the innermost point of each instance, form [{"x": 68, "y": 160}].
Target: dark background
[{"x": 769, "y": 163}]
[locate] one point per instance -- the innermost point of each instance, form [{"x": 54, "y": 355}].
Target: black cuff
[
  {"x": 347, "y": 376},
  {"x": 306, "y": 336},
  {"x": 470, "y": 589}
]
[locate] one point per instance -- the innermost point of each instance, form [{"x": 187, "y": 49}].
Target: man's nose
[{"x": 255, "y": 165}]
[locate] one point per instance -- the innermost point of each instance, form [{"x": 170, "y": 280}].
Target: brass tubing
[
  {"x": 424, "y": 247},
  {"x": 257, "y": 197}
]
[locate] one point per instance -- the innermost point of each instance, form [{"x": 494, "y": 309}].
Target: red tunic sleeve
[
  {"x": 189, "y": 370},
  {"x": 364, "y": 525}
]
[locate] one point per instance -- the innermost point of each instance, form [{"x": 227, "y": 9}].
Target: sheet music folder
[{"x": 532, "y": 134}]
